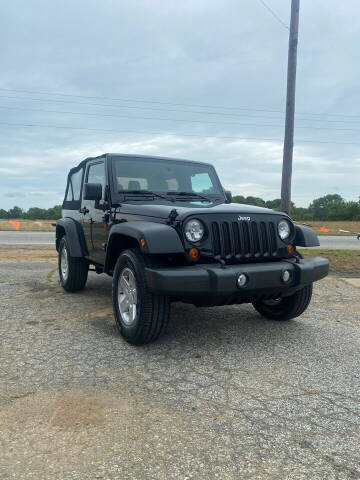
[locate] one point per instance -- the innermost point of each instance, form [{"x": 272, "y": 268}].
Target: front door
[{"x": 93, "y": 218}]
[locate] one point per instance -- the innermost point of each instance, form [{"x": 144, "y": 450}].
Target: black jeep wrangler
[{"x": 166, "y": 230}]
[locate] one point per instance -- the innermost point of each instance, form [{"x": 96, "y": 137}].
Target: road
[
  {"x": 223, "y": 395},
  {"x": 38, "y": 238},
  {"x": 339, "y": 242},
  {"x": 27, "y": 238}
]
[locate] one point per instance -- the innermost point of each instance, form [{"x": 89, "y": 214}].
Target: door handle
[{"x": 84, "y": 210}]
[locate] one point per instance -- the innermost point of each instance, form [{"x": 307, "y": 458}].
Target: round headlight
[
  {"x": 284, "y": 229},
  {"x": 194, "y": 230}
]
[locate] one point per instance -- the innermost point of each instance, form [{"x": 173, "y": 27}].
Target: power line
[
  {"x": 173, "y": 119},
  {"x": 257, "y": 139},
  {"x": 221, "y": 107},
  {"x": 134, "y": 107},
  {"x": 274, "y": 14},
  {"x": 169, "y": 110}
]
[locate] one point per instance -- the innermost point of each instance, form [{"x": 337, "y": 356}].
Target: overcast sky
[{"x": 203, "y": 80}]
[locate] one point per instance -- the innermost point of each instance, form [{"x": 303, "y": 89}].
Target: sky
[{"x": 203, "y": 80}]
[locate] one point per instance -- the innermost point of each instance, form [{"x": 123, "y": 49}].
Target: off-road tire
[
  {"x": 78, "y": 269},
  {"x": 288, "y": 307},
  {"x": 152, "y": 310}
]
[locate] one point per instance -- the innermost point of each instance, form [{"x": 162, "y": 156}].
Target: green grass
[{"x": 339, "y": 259}]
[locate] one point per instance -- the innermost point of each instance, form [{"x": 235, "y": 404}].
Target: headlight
[
  {"x": 284, "y": 229},
  {"x": 194, "y": 230}
]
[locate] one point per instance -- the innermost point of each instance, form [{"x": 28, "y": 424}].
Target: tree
[
  {"x": 54, "y": 213},
  {"x": 239, "y": 199},
  {"x": 257, "y": 201},
  {"x": 36, "y": 213},
  {"x": 15, "y": 212},
  {"x": 329, "y": 207},
  {"x": 274, "y": 204},
  {"x": 3, "y": 213}
]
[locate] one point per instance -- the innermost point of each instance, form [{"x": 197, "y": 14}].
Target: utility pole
[{"x": 290, "y": 109}]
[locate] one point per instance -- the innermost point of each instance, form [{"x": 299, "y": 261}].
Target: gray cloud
[{"x": 201, "y": 53}]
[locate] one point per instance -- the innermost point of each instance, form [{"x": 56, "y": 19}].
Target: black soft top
[{"x": 83, "y": 163}]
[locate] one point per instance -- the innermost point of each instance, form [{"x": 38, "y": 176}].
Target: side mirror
[
  {"x": 93, "y": 191},
  {"x": 228, "y": 196}
]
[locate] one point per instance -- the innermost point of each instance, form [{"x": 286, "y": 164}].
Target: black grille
[{"x": 243, "y": 239}]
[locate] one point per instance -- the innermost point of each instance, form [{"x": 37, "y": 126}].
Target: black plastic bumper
[{"x": 212, "y": 279}]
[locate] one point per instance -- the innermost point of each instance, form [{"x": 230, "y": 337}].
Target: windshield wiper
[
  {"x": 146, "y": 192},
  {"x": 190, "y": 194}
]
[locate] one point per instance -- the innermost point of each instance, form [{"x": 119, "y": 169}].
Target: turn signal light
[
  {"x": 142, "y": 242},
  {"x": 290, "y": 249},
  {"x": 194, "y": 253}
]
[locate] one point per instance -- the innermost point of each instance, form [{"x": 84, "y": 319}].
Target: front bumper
[{"x": 213, "y": 279}]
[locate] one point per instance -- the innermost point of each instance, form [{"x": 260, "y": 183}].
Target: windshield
[{"x": 171, "y": 177}]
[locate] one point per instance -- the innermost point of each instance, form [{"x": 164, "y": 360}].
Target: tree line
[
  {"x": 330, "y": 207},
  {"x": 33, "y": 213}
]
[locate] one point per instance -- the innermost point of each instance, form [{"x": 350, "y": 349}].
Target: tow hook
[{"x": 222, "y": 263}]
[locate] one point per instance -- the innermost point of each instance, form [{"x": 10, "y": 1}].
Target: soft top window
[
  {"x": 75, "y": 181},
  {"x": 96, "y": 174},
  {"x": 73, "y": 190}
]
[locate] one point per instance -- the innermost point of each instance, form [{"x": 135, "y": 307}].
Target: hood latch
[{"x": 172, "y": 216}]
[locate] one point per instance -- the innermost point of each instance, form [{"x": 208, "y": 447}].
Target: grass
[
  {"x": 28, "y": 225},
  {"x": 50, "y": 275},
  {"x": 339, "y": 259},
  {"x": 334, "y": 227}
]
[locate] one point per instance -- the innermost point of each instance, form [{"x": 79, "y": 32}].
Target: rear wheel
[
  {"x": 285, "y": 308},
  {"x": 73, "y": 271},
  {"x": 141, "y": 316}
]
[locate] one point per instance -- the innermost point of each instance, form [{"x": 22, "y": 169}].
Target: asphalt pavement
[
  {"x": 225, "y": 394},
  {"x": 47, "y": 238},
  {"x": 27, "y": 238}
]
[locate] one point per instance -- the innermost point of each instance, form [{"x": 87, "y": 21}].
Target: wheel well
[
  {"x": 119, "y": 243},
  {"x": 60, "y": 232}
]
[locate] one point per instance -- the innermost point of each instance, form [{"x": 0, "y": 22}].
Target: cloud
[
  {"x": 14, "y": 194},
  {"x": 240, "y": 166},
  {"x": 204, "y": 53}
]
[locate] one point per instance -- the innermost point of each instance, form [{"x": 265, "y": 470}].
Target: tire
[
  {"x": 148, "y": 318},
  {"x": 287, "y": 307},
  {"x": 74, "y": 278}
]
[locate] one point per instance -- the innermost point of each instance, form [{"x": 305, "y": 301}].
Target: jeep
[{"x": 166, "y": 231}]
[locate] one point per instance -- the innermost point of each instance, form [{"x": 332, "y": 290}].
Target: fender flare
[
  {"x": 305, "y": 237},
  {"x": 159, "y": 238},
  {"x": 74, "y": 234}
]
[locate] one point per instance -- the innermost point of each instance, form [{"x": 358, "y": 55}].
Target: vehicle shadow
[{"x": 206, "y": 328}]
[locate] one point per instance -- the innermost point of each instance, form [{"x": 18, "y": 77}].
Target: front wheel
[
  {"x": 285, "y": 308},
  {"x": 141, "y": 316},
  {"x": 73, "y": 271}
]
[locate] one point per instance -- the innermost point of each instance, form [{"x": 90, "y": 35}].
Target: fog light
[
  {"x": 242, "y": 280},
  {"x": 285, "y": 276}
]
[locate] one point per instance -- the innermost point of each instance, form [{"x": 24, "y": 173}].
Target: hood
[
  {"x": 225, "y": 208},
  {"x": 163, "y": 211}
]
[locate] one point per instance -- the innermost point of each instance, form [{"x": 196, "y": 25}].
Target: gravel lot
[{"x": 225, "y": 394}]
